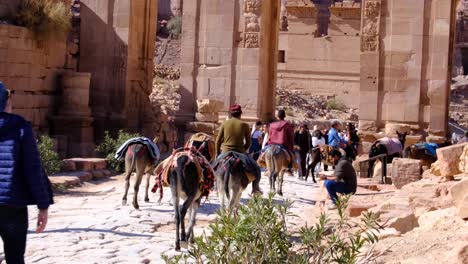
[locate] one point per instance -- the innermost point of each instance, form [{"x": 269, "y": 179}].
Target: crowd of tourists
[{"x": 298, "y": 142}]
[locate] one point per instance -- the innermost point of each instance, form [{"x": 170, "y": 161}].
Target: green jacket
[{"x": 234, "y": 135}]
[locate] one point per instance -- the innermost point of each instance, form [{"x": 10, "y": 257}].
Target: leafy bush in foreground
[
  {"x": 50, "y": 158},
  {"x": 259, "y": 235}
]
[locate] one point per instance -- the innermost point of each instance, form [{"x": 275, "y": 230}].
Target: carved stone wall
[
  {"x": 221, "y": 54},
  {"x": 322, "y": 66},
  {"x": 410, "y": 43}
]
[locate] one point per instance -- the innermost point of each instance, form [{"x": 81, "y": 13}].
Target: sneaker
[{"x": 332, "y": 206}]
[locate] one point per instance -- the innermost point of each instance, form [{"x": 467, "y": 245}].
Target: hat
[
  {"x": 235, "y": 108},
  {"x": 4, "y": 95},
  {"x": 335, "y": 122}
]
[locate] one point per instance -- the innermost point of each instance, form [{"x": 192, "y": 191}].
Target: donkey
[
  {"x": 277, "y": 163},
  {"x": 232, "y": 178},
  {"x": 188, "y": 181},
  {"x": 316, "y": 156},
  {"x": 419, "y": 151},
  {"x": 392, "y": 147},
  {"x": 137, "y": 158},
  {"x": 184, "y": 183}
]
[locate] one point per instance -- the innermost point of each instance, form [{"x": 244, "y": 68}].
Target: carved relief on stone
[
  {"x": 371, "y": 9},
  {"x": 370, "y": 30},
  {"x": 252, "y": 25},
  {"x": 370, "y": 26},
  {"x": 251, "y": 40},
  {"x": 369, "y": 43},
  {"x": 252, "y": 6}
]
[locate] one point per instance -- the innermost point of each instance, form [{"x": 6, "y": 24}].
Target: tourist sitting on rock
[{"x": 344, "y": 179}]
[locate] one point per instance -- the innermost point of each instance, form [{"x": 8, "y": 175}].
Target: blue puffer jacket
[{"x": 22, "y": 178}]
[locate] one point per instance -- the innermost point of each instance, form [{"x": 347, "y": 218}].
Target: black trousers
[
  {"x": 13, "y": 231},
  {"x": 303, "y": 162}
]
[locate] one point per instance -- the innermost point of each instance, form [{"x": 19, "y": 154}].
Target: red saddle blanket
[{"x": 206, "y": 177}]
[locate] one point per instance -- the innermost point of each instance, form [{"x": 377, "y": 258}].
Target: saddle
[
  {"x": 205, "y": 172},
  {"x": 200, "y": 141},
  {"x": 290, "y": 156},
  {"x": 233, "y": 159}
]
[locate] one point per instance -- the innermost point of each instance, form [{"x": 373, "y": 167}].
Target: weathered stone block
[
  {"x": 356, "y": 209},
  {"x": 405, "y": 171},
  {"x": 209, "y": 106},
  {"x": 459, "y": 192},
  {"x": 449, "y": 159},
  {"x": 391, "y": 129},
  {"x": 463, "y": 166},
  {"x": 204, "y": 127},
  {"x": 207, "y": 117},
  {"x": 68, "y": 165}
]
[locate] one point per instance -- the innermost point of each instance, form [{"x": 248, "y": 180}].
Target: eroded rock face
[
  {"x": 448, "y": 159},
  {"x": 459, "y": 192},
  {"x": 463, "y": 165},
  {"x": 405, "y": 171}
]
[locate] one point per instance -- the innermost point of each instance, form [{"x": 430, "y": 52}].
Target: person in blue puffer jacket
[{"x": 23, "y": 180}]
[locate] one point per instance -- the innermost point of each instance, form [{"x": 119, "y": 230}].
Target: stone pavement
[{"x": 89, "y": 225}]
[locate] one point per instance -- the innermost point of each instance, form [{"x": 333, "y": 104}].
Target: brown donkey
[{"x": 138, "y": 159}]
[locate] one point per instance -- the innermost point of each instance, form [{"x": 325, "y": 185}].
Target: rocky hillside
[
  {"x": 459, "y": 101},
  {"x": 303, "y": 107}
]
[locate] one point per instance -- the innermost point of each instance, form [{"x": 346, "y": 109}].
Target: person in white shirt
[{"x": 317, "y": 139}]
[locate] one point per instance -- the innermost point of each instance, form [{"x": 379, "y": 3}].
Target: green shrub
[
  {"x": 259, "y": 235},
  {"x": 45, "y": 18},
  {"x": 50, "y": 158},
  {"x": 175, "y": 27},
  {"x": 109, "y": 146},
  {"x": 335, "y": 104}
]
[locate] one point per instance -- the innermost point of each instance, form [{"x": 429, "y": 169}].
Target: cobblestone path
[{"x": 89, "y": 225}]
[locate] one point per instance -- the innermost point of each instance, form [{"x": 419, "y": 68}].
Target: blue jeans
[
  {"x": 13, "y": 231},
  {"x": 334, "y": 187}
]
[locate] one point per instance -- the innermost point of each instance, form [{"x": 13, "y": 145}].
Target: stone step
[
  {"x": 85, "y": 164},
  {"x": 74, "y": 178}
]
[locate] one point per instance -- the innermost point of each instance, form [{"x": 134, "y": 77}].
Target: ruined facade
[{"x": 401, "y": 68}]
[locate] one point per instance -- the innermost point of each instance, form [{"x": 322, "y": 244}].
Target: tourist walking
[
  {"x": 257, "y": 140},
  {"x": 302, "y": 142},
  {"x": 343, "y": 181},
  {"x": 22, "y": 180}
]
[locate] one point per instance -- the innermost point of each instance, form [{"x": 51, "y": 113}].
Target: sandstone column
[
  {"x": 74, "y": 119},
  {"x": 268, "y": 58},
  {"x": 370, "y": 61},
  {"x": 117, "y": 47}
]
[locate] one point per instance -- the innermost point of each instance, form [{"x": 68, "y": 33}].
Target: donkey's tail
[
  {"x": 132, "y": 167},
  {"x": 270, "y": 160}
]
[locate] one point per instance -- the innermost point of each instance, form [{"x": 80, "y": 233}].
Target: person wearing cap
[
  {"x": 22, "y": 180},
  {"x": 234, "y": 136},
  {"x": 344, "y": 180}
]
